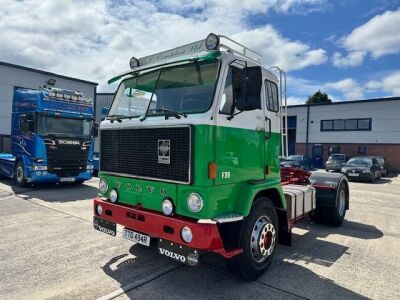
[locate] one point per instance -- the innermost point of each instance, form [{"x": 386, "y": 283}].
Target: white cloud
[
  {"x": 353, "y": 59},
  {"x": 94, "y": 40},
  {"x": 277, "y": 50},
  {"x": 378, "y": 37},
  {"x": 296, "y": 100},
  {"x": 389, "y": 84},
  {"x": 348, "y": 87}
]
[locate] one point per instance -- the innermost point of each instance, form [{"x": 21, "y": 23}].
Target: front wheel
[
  {"x": 19, "y": 174},
  {"x": 372, "y": 180},
  {"x": 258, "y": 239}
]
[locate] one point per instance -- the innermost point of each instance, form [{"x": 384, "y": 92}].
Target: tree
[{"x": 318, "y": 97}]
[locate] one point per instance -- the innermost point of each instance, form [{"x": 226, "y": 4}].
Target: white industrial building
[
  {"x": 14, "y": 76},
  {"x": 362, "y": 127}
]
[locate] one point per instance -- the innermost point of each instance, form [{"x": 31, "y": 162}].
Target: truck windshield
[
  {"x": 63, "y": 127},
  {"x": 187, "y": 88}
]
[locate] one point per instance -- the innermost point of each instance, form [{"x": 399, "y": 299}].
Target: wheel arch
[
  {"x": 250, "y": 192},
  {"x": 24, "y": 160}
]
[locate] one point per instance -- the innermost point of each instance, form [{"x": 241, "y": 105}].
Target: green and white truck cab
[{"x": 189, "y": 157}]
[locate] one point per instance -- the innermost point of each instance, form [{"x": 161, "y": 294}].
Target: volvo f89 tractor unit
[
  {"x": 52, "y": 133},
  {"x": 189, "y": 159}
]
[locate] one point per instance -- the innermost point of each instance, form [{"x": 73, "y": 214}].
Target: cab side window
[
  {"x": 231, "y": 89},
  {"x": 271, "y": 92}
]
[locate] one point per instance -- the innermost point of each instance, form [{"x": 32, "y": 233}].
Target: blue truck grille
[
  {"x": 160, "y": 153},
  {"x": 66, "y": 161}
]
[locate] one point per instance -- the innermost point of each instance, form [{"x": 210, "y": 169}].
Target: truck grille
[
  {"x": 66, "y": 161},
  {"x": 161, "y": 153}
]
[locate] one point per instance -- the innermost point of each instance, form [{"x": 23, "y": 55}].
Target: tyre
[
  {"x": 258, "y": 238},
  {"x": 372, "y": 180},
  {"x": 19, "y": 174},
  {"x": 334, "y": 216}
]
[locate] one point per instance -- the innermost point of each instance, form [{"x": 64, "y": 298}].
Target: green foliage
[{"x": 318, "y": 97}]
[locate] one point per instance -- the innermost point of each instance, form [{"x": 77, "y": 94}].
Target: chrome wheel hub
[
  {"x": 342, "y": 202},
  {"x": 20, "y": 174},
  {"x": 263, "y": 237}
]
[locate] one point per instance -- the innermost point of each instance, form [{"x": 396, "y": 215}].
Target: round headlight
[
  {"x": 195, "y": 202},
  {"x": 99, "y": 209},
  {"x": 167, "y": 207},
  {"x": 103, "y": 186},
  {"x": 113, "y": 196},
  {"x": 134, "y": 63},
  {"x": 212, "y": 41},
  {"x": 186, "y": 234}
]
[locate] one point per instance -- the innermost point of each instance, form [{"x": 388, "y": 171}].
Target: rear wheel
[
  {"x": 19, "y": 174},
  {"x": 334, "y": 216},
  {"x": 258, "y": 239}
]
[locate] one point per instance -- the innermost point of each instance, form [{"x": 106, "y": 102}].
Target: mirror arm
[{"x": 232, "y": 115}]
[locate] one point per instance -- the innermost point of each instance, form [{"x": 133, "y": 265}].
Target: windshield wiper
[
  {"x": 118, "y": 118},
  {"x": 171, "y": 113}
]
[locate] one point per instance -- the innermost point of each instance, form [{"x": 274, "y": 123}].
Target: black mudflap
[{"x": 178, "y": 252}]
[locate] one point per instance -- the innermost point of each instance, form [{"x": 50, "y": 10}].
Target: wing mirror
[{"x": 249, "y": 94}]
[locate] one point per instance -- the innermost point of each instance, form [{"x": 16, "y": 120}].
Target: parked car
[
  {"x": 297, "y": 161},
  {"x": 382, "y": 162},
  {"x": 364, "y": 168},
  {"x": 336, "y": 162}
]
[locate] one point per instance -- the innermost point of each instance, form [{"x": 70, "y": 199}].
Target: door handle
[{"x": 268, "y": 132}]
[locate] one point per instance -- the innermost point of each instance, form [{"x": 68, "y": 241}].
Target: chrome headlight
[
  {"x": 99, "y": 209},
  {"x": 167, "y": 207},
  {"x": 113, "y": 196},
  {"x": 103, "y": 186},
  {"x": 186, "y": 234},
  {"x": 343, "y": 170},
  {"x": 195, "y": 202}
]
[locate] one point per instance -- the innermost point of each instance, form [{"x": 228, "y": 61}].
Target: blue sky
[{"x": 347, "y": 48}]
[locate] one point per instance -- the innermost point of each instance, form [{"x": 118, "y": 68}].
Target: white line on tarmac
[{"x": 138, "y": 283}]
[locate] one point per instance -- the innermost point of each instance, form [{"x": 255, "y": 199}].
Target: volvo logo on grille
[
  {"x": 164, "y": 151},
  {"x": 67, "y": 142}
]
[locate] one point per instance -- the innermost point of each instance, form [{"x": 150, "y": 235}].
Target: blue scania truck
[{"x": 52, "y": 133}]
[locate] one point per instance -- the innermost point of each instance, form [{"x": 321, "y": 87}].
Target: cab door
[
  {"x": 271, "y": 105},
  {"x": 240, "y": 131}
]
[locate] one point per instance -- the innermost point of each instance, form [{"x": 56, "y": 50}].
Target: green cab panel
[{"x": 242, "y": 172}]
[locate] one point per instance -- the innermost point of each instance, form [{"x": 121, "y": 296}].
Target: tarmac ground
[{"x": 49, "y": 250}]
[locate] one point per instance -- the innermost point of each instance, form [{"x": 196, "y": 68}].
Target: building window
[
  {"x": 346, "y": 125},
  {"x": 362, "y": 150},
  {"x": 338, "y": 125},
  {"x": 326, "y": 125}
]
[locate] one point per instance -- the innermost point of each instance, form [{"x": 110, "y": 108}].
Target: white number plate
[
  {"x": 67, "y": 179},
  {"x": 136, "y": 237},
  {"x": 353, "y": 174}
]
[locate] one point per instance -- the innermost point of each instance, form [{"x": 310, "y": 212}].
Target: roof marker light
[
  {"x": 134, "y": 63},
  {"x": 212, "y": 41}
]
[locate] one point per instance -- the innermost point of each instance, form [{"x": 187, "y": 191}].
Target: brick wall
[{"x": 391, "y": 152}]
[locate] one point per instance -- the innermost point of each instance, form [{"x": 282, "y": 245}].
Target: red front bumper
[{"x": 205, "y": 236}]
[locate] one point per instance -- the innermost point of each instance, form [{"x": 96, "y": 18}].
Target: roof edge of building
[
  {"x": 2, "y": 63},
  {"x": 349, "y": 102}
]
